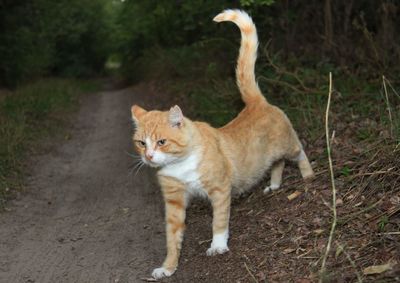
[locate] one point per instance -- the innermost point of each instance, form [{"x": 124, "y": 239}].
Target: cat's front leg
[
  {"x": 221, "y": 202},
  {"x": 175, "y": 211}
]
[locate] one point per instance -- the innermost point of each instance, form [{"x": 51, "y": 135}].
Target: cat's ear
[
  {"x": 175, "y": 117},
  {"x": 137, "y": 112}
]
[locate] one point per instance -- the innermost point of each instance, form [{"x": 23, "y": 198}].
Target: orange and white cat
[{"x": 196, "y": 159}]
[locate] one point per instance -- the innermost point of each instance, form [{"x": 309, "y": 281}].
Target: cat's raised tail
[{"x": 245, "y": 75}]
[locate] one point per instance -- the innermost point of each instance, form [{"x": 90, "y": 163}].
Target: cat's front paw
[
  {"x": 271, "y": 188},
  {"x": 161, "y": 272},
  {"x": 217, "y": 250}
]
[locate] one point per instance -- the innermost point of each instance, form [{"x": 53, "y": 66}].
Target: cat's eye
[
  {"x": 141, "y": 143},
  {"x": 161, "y": 142}
]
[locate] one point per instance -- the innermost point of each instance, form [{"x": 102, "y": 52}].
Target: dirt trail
[{"x": 85, "y": 218}]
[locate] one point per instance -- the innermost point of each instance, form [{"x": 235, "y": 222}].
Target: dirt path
[{"x": 85, "y": 218}]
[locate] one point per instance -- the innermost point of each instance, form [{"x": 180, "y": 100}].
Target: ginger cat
[{"x": 197, "y": 159}]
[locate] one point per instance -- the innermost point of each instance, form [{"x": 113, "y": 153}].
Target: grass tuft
[{"x": 28, "y": 114}]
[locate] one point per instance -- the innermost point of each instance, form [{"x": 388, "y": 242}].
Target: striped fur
[{"x": 245, "y": 75}]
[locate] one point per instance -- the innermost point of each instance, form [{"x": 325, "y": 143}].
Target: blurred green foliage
[
  {"x": 246, "y": 3},
  {"x": 42, "y": 37},
  {"x": 76, "y": 37},
  {"x": 147, "y": 25},
  {"x": 357, "y": 36}
]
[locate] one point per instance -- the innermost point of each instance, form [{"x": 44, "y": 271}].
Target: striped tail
[{"x": 245, "y": 75}]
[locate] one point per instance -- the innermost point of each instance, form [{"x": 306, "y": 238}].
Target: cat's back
[{"x": 254, "y": 119}]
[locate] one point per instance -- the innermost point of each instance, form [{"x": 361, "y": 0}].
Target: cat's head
[{"x": 160, "y": 138}]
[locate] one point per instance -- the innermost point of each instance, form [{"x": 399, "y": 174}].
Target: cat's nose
[{"x": 149, "y": 155}]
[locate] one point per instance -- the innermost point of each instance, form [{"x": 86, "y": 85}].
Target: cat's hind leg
[
  {"x": 304, "y": 165},
  {"x": 276, "y": 176}
]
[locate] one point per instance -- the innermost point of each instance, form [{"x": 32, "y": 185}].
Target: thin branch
[
  {"x": 281, "y": 70},
  {"x": 388, "y": 106},
  {"x": 251, "y": 274},
  {"x": 353, "y": 264},
  {"x": 393, "y": 89},
  {"x": 334, "y": 221}
]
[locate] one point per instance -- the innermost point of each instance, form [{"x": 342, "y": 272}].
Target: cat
[{"x": 194, "y": 158}]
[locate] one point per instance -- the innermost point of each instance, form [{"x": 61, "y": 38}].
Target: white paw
[
  {"x": 271, "y": 188},
  {"x": 161, "y": 272},
  {"x": 217, "y": 250},
  {"x": 219, "y": 244}
]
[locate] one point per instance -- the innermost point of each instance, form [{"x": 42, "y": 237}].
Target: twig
[
  {"x": 355, "y": 214},
  {"x": 388, "y": 213},
  {"x": 379, "y": 172},
  {"x": 251, "y": 274},
  {"x": 388, "y": 106},
  {"x": 280, "y": 70},
  {"x": 205, "y": 241},
  {"x": 389, "y": 233},
  {"x": 332, "y": 231},
  {"x": 393, "y": 89},
  {"x": 359, "y": 277}
]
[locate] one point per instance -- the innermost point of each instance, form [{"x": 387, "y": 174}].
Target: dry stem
[
  {"x": 334, "y": 221},
  {"x": 280, "y": 70},
  {"x": 251, "y": 274},
  {"x": 390, "y": 85},
  {"x": 388, "y": 106},
  {"x": 353, "y": 264}
]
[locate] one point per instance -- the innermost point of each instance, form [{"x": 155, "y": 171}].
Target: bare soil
[{"x": 87, "y": 217}]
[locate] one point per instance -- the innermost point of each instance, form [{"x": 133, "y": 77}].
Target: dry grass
[{"x": 332, "y": 177}]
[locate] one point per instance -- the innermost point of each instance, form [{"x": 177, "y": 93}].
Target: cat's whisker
[
  {"x": 134, "y": 156},
  {"x": 138, "y": 164},
  {"x": 137, "y": 171},
  {"x": 136, "y": 161}
]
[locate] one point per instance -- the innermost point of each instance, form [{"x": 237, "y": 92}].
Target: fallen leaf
[
  {"x": 319, "y": 231},
  {"x": 358, "y": 204},
  {"x": 376, "y": 269},
  {"x": 149, "y": 279},
  {"x": 288, "y": 250},
  {"x": 339, "y": 250},
  {"x": 293, "y": 195},
  {"x": 261, "y": 276},
  {"x": 317, "y": 221}
]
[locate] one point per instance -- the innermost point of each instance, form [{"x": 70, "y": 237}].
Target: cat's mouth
[
  {"x": 151, "y": 163},
  {"x": 154, "y": 165}
]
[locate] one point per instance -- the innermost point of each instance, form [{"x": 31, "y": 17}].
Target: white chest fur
[{"x": 186, "y": 171}]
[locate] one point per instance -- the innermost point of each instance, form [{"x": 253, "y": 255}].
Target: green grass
[{"x": 27, "y": 115}]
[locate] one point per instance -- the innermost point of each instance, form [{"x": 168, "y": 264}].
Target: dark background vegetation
[
  {"x": 50, "y": 51},
  {"x": 76, "y": 37}
]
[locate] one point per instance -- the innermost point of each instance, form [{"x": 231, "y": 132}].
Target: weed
[
  {"x": 383, "y": 221},
  {"x": 345, "y": 171}
]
